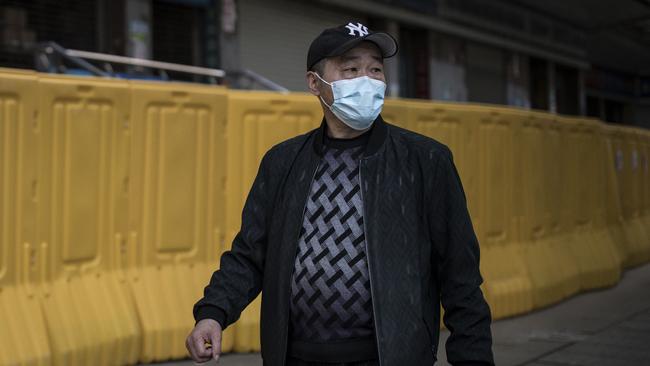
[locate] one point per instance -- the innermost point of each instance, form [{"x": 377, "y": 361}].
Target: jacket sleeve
[
  {"x": 456, "y": 251},
  {"x": 239, "y": 278}
]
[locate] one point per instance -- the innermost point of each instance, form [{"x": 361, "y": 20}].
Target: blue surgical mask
[{"x": 357, "y": 102}]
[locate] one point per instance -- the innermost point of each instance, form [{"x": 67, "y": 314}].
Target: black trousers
[{"x": 297, "y": 362}]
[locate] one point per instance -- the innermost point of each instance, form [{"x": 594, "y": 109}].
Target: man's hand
[{"x": 204, "y": 342}]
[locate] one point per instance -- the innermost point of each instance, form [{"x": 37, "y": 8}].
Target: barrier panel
[
  {"x": 87, "y": 308},
  {"x": 117, "y": 199},
  {"x": 22, "y": 256},
  {"x": 593, "y": 249},
  {"x": 538, "y": 173},
  {"x": 636, "y": 140},
  {"x": 607, "y": 233},
  {"x": 644, "y": 165},
  {"x": 177, "y": 206},
  {"x": 613, "y": 210},
  {"x": 626, "y": 171},
  {"x": 635, "y": 149},
  {"x": 509, "y": 285},
  {"x": 614, "y": 203},
  {"x": 256, "y": 122}
]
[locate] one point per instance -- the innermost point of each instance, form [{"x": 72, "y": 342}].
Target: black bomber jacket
[{"x": 421, "y": 247}]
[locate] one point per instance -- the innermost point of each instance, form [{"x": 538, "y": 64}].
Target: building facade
[{"x": 584, "y": 57}]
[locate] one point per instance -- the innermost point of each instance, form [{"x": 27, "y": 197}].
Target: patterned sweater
[{"x": 331, "y": 308}]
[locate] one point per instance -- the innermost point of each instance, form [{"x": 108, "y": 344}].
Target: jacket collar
[{"x": 378, "y": 133}]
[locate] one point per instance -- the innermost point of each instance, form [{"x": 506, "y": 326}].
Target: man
[{"x": 354, "y": 232}]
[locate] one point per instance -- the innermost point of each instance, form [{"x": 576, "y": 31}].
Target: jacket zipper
[
  {"x": 302, "y": 218},
  {"x": 372, "y": 291}
]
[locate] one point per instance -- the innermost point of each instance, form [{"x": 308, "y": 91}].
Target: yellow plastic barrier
[
  {"x": 86, "y": 305},
  {"x": 23, "y": 258},
  {"x": 637, "y": 140},
  {"x": 509, "y": 284},
  {"x": 595, "y": 253},
  {"x": 256, "y": 122},
  {"x": 548, "y": 216},
  {"x": 613, "y": 203},
  {"x": 608, "y": 235},
  {"x": 537, "y": 144},
  {"x": 645, "y": 180},
  {"x": 177, "y": 206},
  {"x": 635, "y": 146},
  {"x": 626, "y": 172}
]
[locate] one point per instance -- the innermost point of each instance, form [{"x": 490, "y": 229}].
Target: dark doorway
[
  {"x": 186, "y": 32},
  {"x": 566, "y": 89},
  {"x": 538, "y": 84},
  {"x": 613, "y": 111},
  {"x": 593, "y": 107},
  {"x": 414, "y": 63}
]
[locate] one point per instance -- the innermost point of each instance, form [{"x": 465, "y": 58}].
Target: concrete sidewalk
[{"x": 607, "y": 327}]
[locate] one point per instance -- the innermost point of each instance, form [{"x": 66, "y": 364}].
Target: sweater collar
[{"x": 378, "y": 134}]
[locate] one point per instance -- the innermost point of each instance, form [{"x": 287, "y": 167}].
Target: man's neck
[{"x": 339, "y": 130}]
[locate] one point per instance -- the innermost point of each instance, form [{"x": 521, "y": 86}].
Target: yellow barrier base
[
  {"x": 164, "y": 325},
  {"x": 91, "y": 321},
  {"x": 553, "y": 274},
  {"x": 508, "y": 289},
  {"x": 639, "y": 250},
  {"x": 23, "y": 336}
]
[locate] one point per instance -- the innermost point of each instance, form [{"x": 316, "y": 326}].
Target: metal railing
[
  {"x": 50, "y": 57},
  {"x": 248, "y": 79}
]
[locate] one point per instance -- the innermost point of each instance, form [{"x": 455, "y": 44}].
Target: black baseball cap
[{"x": 336, "y": 41}]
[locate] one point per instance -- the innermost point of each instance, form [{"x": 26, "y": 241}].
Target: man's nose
[
  {"x": 370, "y": 75},
  {"x": 364, "y": 73}
]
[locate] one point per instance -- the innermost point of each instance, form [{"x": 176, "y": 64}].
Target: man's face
[{"x": 362, "y": 60}]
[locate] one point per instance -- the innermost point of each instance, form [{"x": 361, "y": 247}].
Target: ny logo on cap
[{"x": 362, "y": 29}]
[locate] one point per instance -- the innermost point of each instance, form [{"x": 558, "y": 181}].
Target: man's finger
[
  {"x": 195, "y": 355},
  {"x": 215, "y": 339},
  {"x": 203, "y": 352},
  {"x": 188, "y": 345},
  {"x": 194, "y": 352}
]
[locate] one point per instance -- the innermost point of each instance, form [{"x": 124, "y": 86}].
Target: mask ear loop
[
  {"x": 323, "y": 80},
  {"x": 321, "y": 97}
]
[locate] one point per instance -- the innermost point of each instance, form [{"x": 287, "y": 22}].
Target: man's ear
[{"x": 312, "y": 83}]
